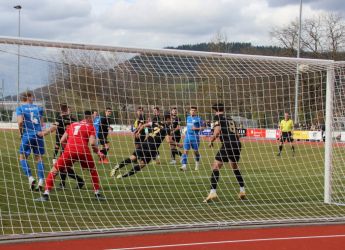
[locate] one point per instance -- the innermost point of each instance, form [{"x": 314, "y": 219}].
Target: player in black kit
[
  {"x": 230, "y": 151},
  {"x": 104, "y": 128},
  {"x": 175, "y": 135}
]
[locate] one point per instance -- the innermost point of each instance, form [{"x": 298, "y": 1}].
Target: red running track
[{"x": 286, "y": 238}]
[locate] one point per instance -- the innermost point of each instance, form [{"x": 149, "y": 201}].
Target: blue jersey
[
  {"x": 31, "y": 118},
  {"x": 96, "y": 123},
  {"x": 193, "y": 121}
]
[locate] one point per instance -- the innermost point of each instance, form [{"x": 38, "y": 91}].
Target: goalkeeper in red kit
[{"x": 77, "y": 138}]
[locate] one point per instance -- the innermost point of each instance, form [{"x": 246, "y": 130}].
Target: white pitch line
[{"x": 233, "y": 241}]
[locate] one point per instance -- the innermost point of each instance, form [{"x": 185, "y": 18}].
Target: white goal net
[{"x": 304, "y": 185}]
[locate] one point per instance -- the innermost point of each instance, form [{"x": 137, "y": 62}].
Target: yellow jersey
[{"x": 286, "y": 126}]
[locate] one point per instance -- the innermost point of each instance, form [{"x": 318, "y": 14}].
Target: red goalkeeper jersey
[{"x": 78, "y": 136}]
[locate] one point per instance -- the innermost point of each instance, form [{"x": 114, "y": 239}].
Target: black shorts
[
  {"x": 286, "y": 136},
  {"x": 146, "y": 153},
  {"x": 140, "y": 140},
  {"x": 176, "y": 137},
  {"x": 229, "y": 152},
  {"x": 103, "y": 139}
]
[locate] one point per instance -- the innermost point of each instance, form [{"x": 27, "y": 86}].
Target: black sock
[
  {"x": 214, "y": 178},
  {"x": 293, "y": 148},
  {"x": 63, "y": 176},
  {"x": 172, "y": 153},
  {"x": 239, "y": 177},
  {"x": 104, "y": 151},
  {"x": 125, "y": 162},
  {"x": 74, "y": 176},
  {"x": 56, "y": 151},
  {"x": 132, "y": 171},
  {"x": 280, "y": 148}
]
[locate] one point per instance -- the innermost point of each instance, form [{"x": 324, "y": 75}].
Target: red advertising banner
[{"x": 256, "y": 132}]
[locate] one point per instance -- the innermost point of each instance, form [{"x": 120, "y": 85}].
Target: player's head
[
  {"x": 218, "y": 107},
  {"x": 88, "y": 115},
  {"x": 173, "y": 111},
  {"x": 167, "y": 118},
  {"x": 140, "y": 110},
  {"x": 108, "y": 111},
  {"x": 94, "y": 113},
  {"x": 286, "y": 116},
  {"x": 64, "y": 108},
  {"x": 193, "y": 110},
  {"x": 156, "y": 110},
  {"x": 27, "y": 97}
]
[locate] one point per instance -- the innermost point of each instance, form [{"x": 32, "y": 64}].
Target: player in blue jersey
[
  {"x": 96, "y": 121},
  {"x": 192, "y": 138},
  {"x": 30, "y": 120}
]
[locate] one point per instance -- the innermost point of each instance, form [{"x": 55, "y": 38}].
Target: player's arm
[
  {"x": 20, "y": 121},
  {"x": 141, "y": 127},
  {"x": 215, "y": 135},
  {"x": 93, "y": 144}
]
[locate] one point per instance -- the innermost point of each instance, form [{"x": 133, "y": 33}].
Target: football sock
[
  {"x": 26, "y": 167},
  {"x": 125, "y": 162},
  {"x": 95, "y": 179},
  {"x": 197, "y": 158},
  {"x": 214, "y": 179},
  {"x": 63, "y": 176},
  {"x": 173, "y": 154},
  {"x": 280, "y": 148},
  {"x": 184, "y": 159},
  {"x": 132, "y": 171},
  {"x": 293, "y": 148},
  {"x": 239, "y": 177},
  {"x": 56, "y": 151},
  {"x": 74, "y": 176},
  {"x": 40, "y": 169}
]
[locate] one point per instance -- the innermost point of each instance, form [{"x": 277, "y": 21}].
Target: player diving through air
[{"x": 148, "y": 149}]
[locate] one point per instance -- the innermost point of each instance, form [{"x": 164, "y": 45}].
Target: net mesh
[{"x": 256, "y": 91}]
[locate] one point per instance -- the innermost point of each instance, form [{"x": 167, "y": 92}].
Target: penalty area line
[{"x": 232, "y": 241}]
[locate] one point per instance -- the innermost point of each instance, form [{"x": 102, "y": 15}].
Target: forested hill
[{"x": 236, "y": 48}]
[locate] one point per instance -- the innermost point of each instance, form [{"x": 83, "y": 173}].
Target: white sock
[
  {"x": 31, "y": 179},
  {"x": 46, "y": 192},
  {"x": 242, "y": 189},
  {"x": 40, "y": 182},
  {"x": 213, "y": 191},
  {"x": 96, "y": 192}
]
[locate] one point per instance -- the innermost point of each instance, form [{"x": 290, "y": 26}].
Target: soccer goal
[{"x": 300, "y": 186}]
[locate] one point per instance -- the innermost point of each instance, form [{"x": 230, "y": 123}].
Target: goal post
[{"x": 301, "y": 186}]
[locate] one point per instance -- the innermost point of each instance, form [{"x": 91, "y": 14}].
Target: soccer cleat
[
  {"x": 80, "y": 185},
  {"x": 157, "y": 162},
  {"x": 33, "y": 184},
  {"x": 54, "y": 161},
  {"x": 242, "y": 195},
  {"x": 173, "y": 162},
  {"x": 100, "y": 197},
  {"x": 43, "y": 198},
  {"x": 211, "y": 197},
  {"x": 279, "y": 154},
  {"x": 119, "y": 176},
  {"x": 114, "y": 170},
  {"x": 183, "y": 167},
  {"x": 196, "y": 166},
  {"x": 105, "y": 161}
]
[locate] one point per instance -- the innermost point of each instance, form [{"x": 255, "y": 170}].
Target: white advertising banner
[
  {"x": 271, "y": 133},
  {"x": 342, "y": 136},
  {"x": 315, "y": 135}
]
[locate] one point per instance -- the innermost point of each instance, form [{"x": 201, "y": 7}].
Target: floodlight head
[{"x": 18, "y": 7}]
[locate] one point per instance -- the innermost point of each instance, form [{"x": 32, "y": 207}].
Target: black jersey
[
  {"x": 228, "y": 129},
  {"x": 158, "y": 134},
  {"x": 62, "y": 121},
  {"x": 138, "y": 122},
  {"x": 176, "y": 121},
  {"x": 104, "y": 124}
]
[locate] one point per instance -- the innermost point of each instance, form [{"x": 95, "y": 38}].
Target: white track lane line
[{"x": 233, "y": 241}]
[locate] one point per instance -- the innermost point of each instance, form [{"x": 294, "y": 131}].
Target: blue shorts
[
  {"x": 32, "y": 142},
  {"x": 193, "y": 143}
]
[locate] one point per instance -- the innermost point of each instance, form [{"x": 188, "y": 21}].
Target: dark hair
[
  {"x": 140, "y": 108},
  {"x": 93, "y": 111},
  {"x": 63, "y": 107},
  {"x": 194, "y": 107},
  {"x": 166, "y": 117},
  {"x": 157, "y": 108},
  {"x": 26, "y": 95},
  {"x": 108, "y": 108},
  {"x": 87, "y": 113},
  {"x": 218, "y": 107},
  {"x": 173, "y": 108}
]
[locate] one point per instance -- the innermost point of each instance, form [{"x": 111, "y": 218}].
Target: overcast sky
[{"x": 154, "y": 23}]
